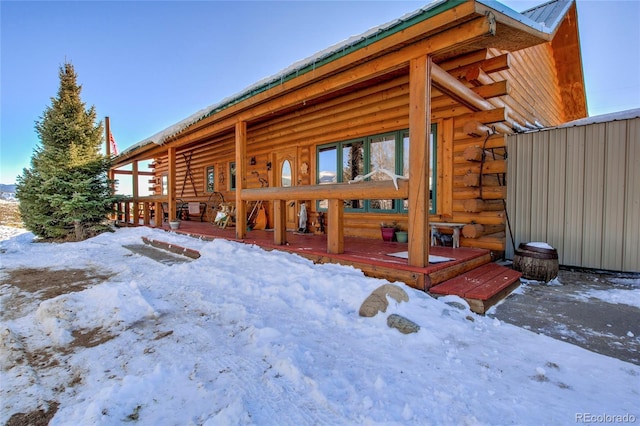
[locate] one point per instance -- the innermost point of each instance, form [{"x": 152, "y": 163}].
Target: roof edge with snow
[
  {"x": 603, "y": 118},
  {"x": 340, "y": 50}
]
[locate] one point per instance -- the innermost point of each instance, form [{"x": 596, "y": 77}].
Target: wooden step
[{"x": 481, "y": 287}]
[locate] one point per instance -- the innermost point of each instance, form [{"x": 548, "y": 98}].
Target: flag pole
[{"x": 107, "y": 139}]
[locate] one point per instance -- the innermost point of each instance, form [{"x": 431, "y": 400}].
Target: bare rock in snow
[
  {"x": 377, "y": 300},
  {"x": 402, "y": 324}
]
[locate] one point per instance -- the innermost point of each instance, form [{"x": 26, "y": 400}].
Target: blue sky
[{"x": 149, "y": 64}]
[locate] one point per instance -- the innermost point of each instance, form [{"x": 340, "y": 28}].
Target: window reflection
[
  {"x": 286, "y": 173},
  {"x": 352, "y": 167},
  {"x": 382, "y": 157}
]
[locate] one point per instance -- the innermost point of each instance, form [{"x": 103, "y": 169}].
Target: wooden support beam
[
  {"x": 455, "y": 89},
  {"x": 280, "y": 222},
  {"x": 420, "y": 73},
  {"x": 335, "y": 229},
  {"x": 495, "y": 115},
  {"x": 467, "y": 97},
  {"x": 136, "y": 193},
  {"x": 477, "y": 205},
  {"x": 478, "y": 77},
  {"x": 491, "y": 65},
  {"x": 493, "y": 90},
  {"x": 473, "y": 180},
  {"x": 130, "y": 173},
  {"x": 476, "y": 153},
  {"x": 487, "y": 91},
  {"x": 146, "y": 213},
  {"x": 241, "y": 178},
  {"x": 476, "y": 129},
  {"x": 171, "y": 184},
  {"x": 477, "y": 230},
  {"x": 447, "y": 141},
  {"x": 484, "y": 193},
  {"x": 158, "y": 215},
  {"x": 382, "y": 189},
  {"x": 465, "y": 60}
]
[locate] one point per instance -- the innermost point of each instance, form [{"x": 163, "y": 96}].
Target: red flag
[{"x": 113, "y": 145}]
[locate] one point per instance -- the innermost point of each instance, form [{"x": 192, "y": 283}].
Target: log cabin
[{"x": 429, "y": 97}]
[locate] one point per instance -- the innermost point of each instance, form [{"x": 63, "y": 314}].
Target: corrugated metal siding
[{"x": 578, "y": 189}]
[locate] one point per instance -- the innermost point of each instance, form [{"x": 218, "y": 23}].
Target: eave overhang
[{"x": 510, "y": 31}]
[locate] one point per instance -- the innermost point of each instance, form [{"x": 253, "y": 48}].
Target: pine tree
[{"x": 66, "y": 194}]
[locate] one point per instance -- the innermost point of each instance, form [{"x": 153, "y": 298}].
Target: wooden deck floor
[{"x": 369, "y": 255}]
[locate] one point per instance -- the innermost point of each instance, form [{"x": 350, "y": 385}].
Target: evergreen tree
[{"x": 66, "y": 194}]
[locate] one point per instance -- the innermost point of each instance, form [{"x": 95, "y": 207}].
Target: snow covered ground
[{"x": 245, "y": 336}]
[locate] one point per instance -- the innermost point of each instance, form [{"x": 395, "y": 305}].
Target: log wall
[{"x": 520, "y": 85}]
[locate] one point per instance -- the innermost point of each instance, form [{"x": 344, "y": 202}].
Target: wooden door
[{"x": 286, "y": 175}]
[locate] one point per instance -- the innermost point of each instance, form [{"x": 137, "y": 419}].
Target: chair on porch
[
  {"x": 182, "y": 210},
  {"x": 226, "y": 215}
]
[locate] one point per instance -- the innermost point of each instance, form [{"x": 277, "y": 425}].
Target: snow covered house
[{"x": 430, "y": 97}]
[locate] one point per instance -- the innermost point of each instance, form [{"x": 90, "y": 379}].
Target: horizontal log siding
[
  {"x": 377, "y": 109},
  {"x": 534, "y": 91},
  {"x": 218, "y": 153},
  {"x": 380, "y": 108},
  {"x": 365, "y": 112}
]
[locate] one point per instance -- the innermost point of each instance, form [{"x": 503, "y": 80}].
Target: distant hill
[
  {"x": 8, "y": 192},
  {"x": 8, "y": 188}
]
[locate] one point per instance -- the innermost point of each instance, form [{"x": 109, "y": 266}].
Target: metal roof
[
  {"x": 603, "y": 118},
  {"x": 548, "y": 10},
  {"x": 550, "y": 14}
]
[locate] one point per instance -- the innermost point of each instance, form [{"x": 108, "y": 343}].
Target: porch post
[
  {"x": 110, "y": 174},
  {"x": 335, "y": 232},
  {"x": 241, "y": 178},
  {"x": 280, "y": 222},
  {"x": 419, "y": 132},
  {"x": 171, "y": 185},
  {"x": 136, "y": 193},
  {"x": 158, "y": 215}
]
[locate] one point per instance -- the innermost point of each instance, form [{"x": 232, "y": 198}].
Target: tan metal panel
[
  {"x": 557, "y": 174},
  {"x": 539, "y": 186},
  {"x": 614, "y": 176},
  {"x": 512, "y": 193},
  {"x": 578, "y": 189},
  {"x": 631, "y": 238},
  {"x": 573, "y": 190},
  {"x": 523, "y": 198},
  {"x": 593, "y": 196}
]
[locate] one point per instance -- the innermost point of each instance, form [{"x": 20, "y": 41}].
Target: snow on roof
[
  {"x": 341, "y": 49},
  {"x": 549, "y": 14},
  {"x": 604, "y": 118},
  {"x": 546, "y": 20},
  {"x": 293, "y": 70}
]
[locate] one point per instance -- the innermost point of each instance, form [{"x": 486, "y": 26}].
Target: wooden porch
[{"x": 374, "y": 257}]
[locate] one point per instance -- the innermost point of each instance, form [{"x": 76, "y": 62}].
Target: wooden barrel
[{"x": 536, "y": 263}]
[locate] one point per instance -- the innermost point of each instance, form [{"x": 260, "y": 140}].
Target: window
[
  {"x": 353, "y": 166},
  {"x": 432, "y": 169},
  {"x": 344, "y": 161},
  {"x": 165, "y": 185},
  {"x": 232, "y": 176},
  {"x": 210, "y": 179},
  {"x": 382, "y": 156}
]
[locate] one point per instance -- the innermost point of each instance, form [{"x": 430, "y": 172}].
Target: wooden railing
[
  {"x": 132, "y": 210},
  {"x": 334, "y": 193}
]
